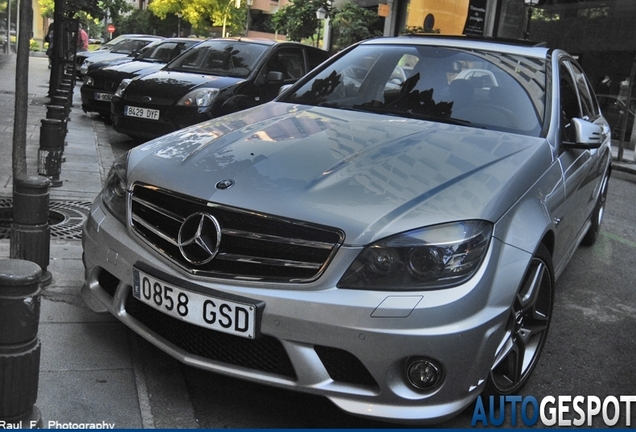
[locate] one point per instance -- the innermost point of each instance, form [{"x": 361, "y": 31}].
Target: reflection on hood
[{"x": 356, "y": 171}]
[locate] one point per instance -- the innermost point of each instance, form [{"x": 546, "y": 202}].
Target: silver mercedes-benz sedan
[{"x": 387, "y": 233}]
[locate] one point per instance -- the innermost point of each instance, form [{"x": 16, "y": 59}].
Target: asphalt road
[{"x": 590, "y": 350}]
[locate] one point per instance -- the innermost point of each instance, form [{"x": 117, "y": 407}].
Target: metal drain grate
[{"x": 66, "y": 218}]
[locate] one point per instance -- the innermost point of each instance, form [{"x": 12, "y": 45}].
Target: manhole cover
[{"x": 66, "y": 218}]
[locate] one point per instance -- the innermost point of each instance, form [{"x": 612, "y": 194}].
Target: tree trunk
[{"x": 22, "y": 88}]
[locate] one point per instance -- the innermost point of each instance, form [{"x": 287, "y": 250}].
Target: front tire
[{"x": 527, "y": 329}]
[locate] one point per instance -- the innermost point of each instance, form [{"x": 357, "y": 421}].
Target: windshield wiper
[{"x": 410, "y": 114}]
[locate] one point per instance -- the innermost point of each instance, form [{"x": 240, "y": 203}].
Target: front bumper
[{"x": 346, "y": 345}]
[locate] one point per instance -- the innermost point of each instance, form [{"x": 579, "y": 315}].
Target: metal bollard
[
  {"x": 66, "y": 85},
  {"x": 51, "y": 149},
  {"x": 30, "y": 230},
  {"x": 58, "y": 112},
  {"x": 62, "y": 101},
  {"x": 19, "y": 344}
]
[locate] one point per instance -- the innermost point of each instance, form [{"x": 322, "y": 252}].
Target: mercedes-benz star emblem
[
  {"x": 199, "y": 238},
  {"x": 224, "y": 184}
]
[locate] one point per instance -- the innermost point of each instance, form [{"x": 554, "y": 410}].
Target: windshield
[
  {"x": 129, "y": 46},
  {"x": 481, "y": 89},
  {"x": 163, "y": 52},
  {"x": 226, "y": 58}
]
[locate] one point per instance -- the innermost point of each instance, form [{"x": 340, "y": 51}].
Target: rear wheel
[
  {"x": 527, "y": 328},
  {"x": 597, "y": 215}
]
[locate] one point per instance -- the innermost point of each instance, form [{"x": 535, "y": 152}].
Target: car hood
[
  {"x": 106, "y": 56},
  {"x": 129, "y": 69},
  {"x": 367, "y": 174},
  {"x": 175, "y": 84}
]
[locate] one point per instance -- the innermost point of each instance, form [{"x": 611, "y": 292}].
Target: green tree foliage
[
  {"x": 144, "y": 21},
  {"x": 201, "y": 14},
  {"x": 94, "y": 8},
  {"x": 352, "y": 23},
  {"x": 298, "y": 19}
]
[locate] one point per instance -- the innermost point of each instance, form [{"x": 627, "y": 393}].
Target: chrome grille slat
[
  {"x": 145, "y": 224},
  {"x": 164, "y": 212},
  {"x": 253, "y": 246},
  {"x": 271, "y": 262},
  {"x": 277, "y": 239}
]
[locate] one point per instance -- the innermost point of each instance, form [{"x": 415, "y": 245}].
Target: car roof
[
  {"x": 519, "y": 47},
  {"x": 174, "y": 39},
  {"x": 129, "y": 36},
  {"x": 147, "y": 37},
  {"x": 260, "y": 41}
]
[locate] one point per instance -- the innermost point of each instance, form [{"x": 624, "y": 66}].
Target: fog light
[{"x": 424, "y": 374}]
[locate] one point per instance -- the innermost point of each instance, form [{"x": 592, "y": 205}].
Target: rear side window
[
  {"x": 315, "y": 57},
  {"x": 289, "y": 61}
]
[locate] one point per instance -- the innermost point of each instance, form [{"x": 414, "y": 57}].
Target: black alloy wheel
[{"x": 527, "y": 328}]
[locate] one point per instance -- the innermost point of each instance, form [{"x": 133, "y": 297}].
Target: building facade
[{"x": 600, "y": 33}]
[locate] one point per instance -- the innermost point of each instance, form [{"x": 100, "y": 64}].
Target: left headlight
[
  {"x": 85, "y": 65},
  {"x": 434, "y": 257},
  {"x": 122, "y": 86},
  {"x": 88, "y": 80},
  {"x": 114, "y": 192},
  {"x": 199, "y": 98}
]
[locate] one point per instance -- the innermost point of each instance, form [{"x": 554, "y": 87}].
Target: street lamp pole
[
  {"x": 179, "y": 15},
  {"x": 530, "y": 4},
  {"x": 321, "y": 14},
  {"x": 7, "y": 37},
  {"x": 247, "y": 19}
]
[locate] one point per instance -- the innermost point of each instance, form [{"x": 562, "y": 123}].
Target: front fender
[{"x": 531, "y": 219}]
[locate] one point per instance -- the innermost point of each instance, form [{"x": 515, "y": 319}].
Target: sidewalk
[
  {"x": 93, "y": 370},
  {"x": 627, "y": 163}
]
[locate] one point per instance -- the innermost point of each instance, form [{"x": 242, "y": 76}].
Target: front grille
[
  {"x": 105, "y": 84},
  {"x": 252, "y": 246},
  {"x": 264, "y": 353}
]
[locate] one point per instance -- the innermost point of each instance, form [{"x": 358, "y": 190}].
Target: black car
[
  {"x": 100, "y": 83},
  {"x": 216, "y": 77},
  {"x": 614, "y": 110},
  {"x": 127, "y": 45}
]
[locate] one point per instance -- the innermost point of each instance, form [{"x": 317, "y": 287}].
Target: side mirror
[
  {"x": 284, "y": 88},
  {"x": 587, "y": 135},
  {"x": 275, "y": 76}
]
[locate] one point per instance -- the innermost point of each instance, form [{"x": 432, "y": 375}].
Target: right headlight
[
  {"x": 433, "y": 257},
  {"x": 114, "y": 193}
]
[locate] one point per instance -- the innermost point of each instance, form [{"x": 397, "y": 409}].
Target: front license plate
[
  {"x": 214, "y": 313},
  {"x": 146, "y": 113},
  {"x": 106, "y": 97}
]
